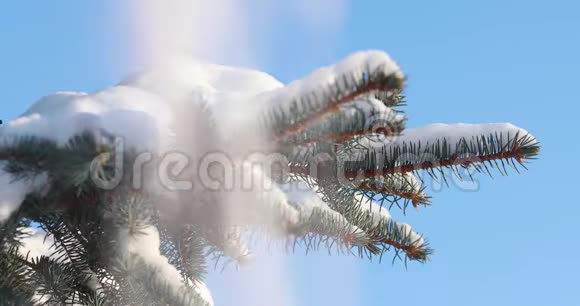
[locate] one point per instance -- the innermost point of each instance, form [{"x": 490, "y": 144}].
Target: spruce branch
[
  {"x": 29, "y": 156},
  {"x": 58, "y": 281},
  {"x": 383, "y": 232},
  {"x": 357, "y": 118},
  {"x": 496, "y": 151},
  {"x": 226, "y": 240},
  {"x": 299, "y": 104},
  {"x": 15, "y": 282},
  {"x": 331, "y": 228},
  {"x": 185, "y": 249},
  {"x": 333, "y": 104},
  {"x": 394, "y": 188},
  {"x": 339, "y": 130},
  {"x": 159, "y": 289},
  {"x": 388, "y": 99},
  {"x": 478, "y": 152}
]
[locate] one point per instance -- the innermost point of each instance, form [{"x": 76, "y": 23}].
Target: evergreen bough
[{"x": 342, "y": 136}]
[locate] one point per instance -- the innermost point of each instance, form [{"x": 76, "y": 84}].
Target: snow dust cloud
[{"x": 227, "y": 32}]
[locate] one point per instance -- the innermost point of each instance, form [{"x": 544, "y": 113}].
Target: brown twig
[
  {"x": 414, "y": 251},
  {"x": 453, "y": 161},
  {"x": 332, "y": 107},
  {"x": 416, "y": 198},
  {"x": 343, "y": 137}
]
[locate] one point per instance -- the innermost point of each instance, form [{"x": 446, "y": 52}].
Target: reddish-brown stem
[
  {"x": 413, "y": 251},
  {"x": 342, "y": 137},
  {"x": 332, "y": 107},
  {"x": 416, "y": 198},
  {"x": 454, "y": 161}
]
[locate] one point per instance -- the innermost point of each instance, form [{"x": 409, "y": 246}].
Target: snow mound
[{"x": 144, "y": 108}]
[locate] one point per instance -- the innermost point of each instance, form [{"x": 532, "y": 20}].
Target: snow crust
[{"x": 453, "y": 133}]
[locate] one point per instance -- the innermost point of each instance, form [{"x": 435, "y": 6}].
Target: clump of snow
[
  {"x": 375, "y": 113},
  {"x": 13, "y": 192},
  {"x": 405, "y": 182},
  {"x": 353, "y": 67},
  {"x": 369, "y": 106},
  {"x": 143, "y": 109},
  {"x": 182, "y": 77},
  {"x": 375, "y": 210},
  {"x": 379, "y": 213},
  {"x": 303, "y": 197},
  {"x": 415, "y": 238},
  {"x": 262, "y": 202},
  {"x": 145, "y": 244},
  {"x": 453, "y": 133}
]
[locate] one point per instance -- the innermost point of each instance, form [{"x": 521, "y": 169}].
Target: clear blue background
[{"x": 515, "y": 242}]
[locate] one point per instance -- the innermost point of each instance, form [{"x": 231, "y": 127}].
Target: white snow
[
  {"x": 182, "y": 77},
  {"x": 369, "y": 105},
  {"x": 378, "y": 213},
  {"x": 376, "y": 210},
  {"x": 143, "y": 109},
  {"x": 260, "y": 201},
  {"x": 453, "y": 133},
  {"x": 376, "y": 113},
  {"x": 145, "y": 244},
  {"x": 232, "y": 244},
  {"x": 400, "y": 183},
  {"x": 203, "y": 291},
  {"x": 13, "y": 192},
  {"x": 303, "y": 197},
  {"x": 155, "y": 111},
  {"x": 354, "y": 67},
  {"x": 306, "y": 200},
  {"x": 407, "y": 182}
]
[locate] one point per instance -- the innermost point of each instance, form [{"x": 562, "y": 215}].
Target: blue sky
[{"x": 514, "y": 242}]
